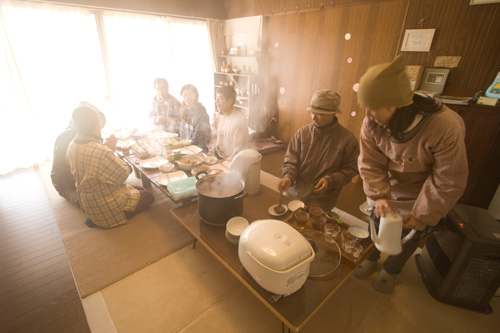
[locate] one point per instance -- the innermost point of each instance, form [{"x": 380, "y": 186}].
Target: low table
[{"x": 294, "y": 310}]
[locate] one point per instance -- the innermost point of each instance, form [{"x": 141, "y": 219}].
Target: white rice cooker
[{"x": 276, "y": 255}]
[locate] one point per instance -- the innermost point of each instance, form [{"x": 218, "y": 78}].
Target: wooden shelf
[{"x": 234, "y": 74}]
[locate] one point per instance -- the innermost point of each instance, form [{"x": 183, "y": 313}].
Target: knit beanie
[{"x": 385, "y": 85}]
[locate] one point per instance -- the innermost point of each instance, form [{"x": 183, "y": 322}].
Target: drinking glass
[
  {"x": 315, "y": 211},
  {"x": 332, "y": 230},
  {"x": 301, "y": 218},
  {"x": 318, "y": 222},
  {"x": 345, "y": 236},
  {"x": 353, "y": 248}
]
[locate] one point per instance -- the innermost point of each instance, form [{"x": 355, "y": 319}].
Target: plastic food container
[
  {"x": 276, "y": 255},
  {"x": 183, "y": 188}
]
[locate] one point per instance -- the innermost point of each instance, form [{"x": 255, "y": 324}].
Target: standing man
[
  {"x": 165, "y": 110},
  {"x": 230, "y": 125},
  {"x": 321, "y": 157},
  {"x": 100, "y": 175}
]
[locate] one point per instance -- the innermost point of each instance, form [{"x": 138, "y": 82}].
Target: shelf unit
[{"x": 248, "y": 85}]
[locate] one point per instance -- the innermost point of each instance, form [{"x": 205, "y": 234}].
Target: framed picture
[
  {"x": 418, "y": 40},
  {"x": 234, "y": 51},
  {"x": 482, "y": 2},
  {"x": 434, "y": 79}
]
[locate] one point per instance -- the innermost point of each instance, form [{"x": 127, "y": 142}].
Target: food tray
[
  {"x": 346, "y": 259},
  {"x": 183, "y": 188}
]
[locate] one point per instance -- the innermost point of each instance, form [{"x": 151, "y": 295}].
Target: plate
[
  {"x": 365, "y": 209},
  {"x": 165, "y": 178},
  {"x": 295, "y": 204},
  {"x": 273, "y": 212},
  {"x": 190, "y": 150},
  {"x": 152, "y": 163}
]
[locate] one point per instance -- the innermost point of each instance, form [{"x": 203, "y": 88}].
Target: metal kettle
[{"x": 247, "y": 165}]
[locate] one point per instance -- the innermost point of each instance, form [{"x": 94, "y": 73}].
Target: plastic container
[
  {"x": 183, "y": 188},
  {"x": 493, "y": 91}
]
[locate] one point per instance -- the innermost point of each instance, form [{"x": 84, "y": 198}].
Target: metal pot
[{"x": 220, "y": 197}]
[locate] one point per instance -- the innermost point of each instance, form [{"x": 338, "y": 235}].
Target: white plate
[
  {"x": 152, "y": 163},
  {"x": 165, "y": 178},
  {"x": 273, "y": 212},
  {"x": 190, "y": 150},
  {"x": 365, "y": 209},
  {"x": 295, "y": 204}
]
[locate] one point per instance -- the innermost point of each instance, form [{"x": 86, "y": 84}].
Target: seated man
[
  {"x": 100, "y": 175},
  {"x": 61, "y": 176},
  {"x": 165, "y": 110},
  {"x": 230, "y": 125},
  {"x": 321, "y": 157}
]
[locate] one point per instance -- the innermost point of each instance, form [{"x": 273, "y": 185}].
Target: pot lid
[
  {"x": 275, "y": 244},
  {"x": 222, "y": 185},
  {"x": 327, "y": 253}
]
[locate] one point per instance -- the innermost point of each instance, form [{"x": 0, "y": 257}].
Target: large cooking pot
[{"x": 220, "y": 197}]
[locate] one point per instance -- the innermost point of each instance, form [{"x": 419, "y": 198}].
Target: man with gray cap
[{"x": 321, "y": 157}]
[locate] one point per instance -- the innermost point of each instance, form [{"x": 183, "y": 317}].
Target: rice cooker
[{"x": 276, "y": 255}]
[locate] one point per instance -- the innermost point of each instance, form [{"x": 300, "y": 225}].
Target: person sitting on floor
[
  {"x": 100, "y": 175},
  {"x": 195, "y": 123},
  {"x": 62, "y": 179},
  {"x": 165, "y": 110},
  {"x": 230, "y": 125},
  {"x": 322, "y": 156}
]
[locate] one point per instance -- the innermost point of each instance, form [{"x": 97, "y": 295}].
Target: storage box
[{"x": 183, "y": 188}]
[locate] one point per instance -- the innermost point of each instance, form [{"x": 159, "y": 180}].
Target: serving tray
[{"x": 346, "y": 258}]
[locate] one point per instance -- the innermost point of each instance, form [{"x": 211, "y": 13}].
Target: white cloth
[{"x": 232, "y": 134}]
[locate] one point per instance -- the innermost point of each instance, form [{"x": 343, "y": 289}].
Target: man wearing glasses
[{"x": 321, "y": 157}]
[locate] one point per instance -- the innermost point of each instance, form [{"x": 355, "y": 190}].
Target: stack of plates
[{"x": 234, "y": 229}]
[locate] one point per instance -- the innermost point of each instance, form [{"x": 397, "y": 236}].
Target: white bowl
[
  {"x": 358, "y": 232},
  {"x": 189, "y": 162},
  {"x": 210, "y": 160},
  {"x": 185, "y": 142},
  {"x": 236, "y": 225},
  {"x": 295, "y": 204},
  {"x": 167, "y": 167}
]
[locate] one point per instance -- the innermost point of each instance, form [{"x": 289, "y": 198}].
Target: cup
[
  {"x": 331, "y": 217},
  {"x": 318, "y": 222},
  {"x": 332, "y": 230},
  {"x": 301, "y": 218},
  {"x": 345, "y": 236},
  {"x": 315, "y": 211},
  {"x": 353, "y": 248}
]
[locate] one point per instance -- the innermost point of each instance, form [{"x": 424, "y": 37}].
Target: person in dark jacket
[
  {"x": 195, "y": 123},
  {"x": 62, "y": 179}
]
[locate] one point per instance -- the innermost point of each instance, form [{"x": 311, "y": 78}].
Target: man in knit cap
[
  {"x": 321, "y": 157},
  {"x": 412, "y": 162}
]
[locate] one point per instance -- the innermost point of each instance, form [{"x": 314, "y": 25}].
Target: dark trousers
[
  {"x": 394, "y": 264},
  {"x": 147, "y": 198}
]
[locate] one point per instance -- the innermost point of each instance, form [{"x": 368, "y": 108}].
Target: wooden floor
[{"x": 37, "y": 290}]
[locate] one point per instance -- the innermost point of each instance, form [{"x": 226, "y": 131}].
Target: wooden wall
[
  {"x": 189, "y": 8},
  {"x": 312, "y": 54},
  {"x": 312, "y": 50}
]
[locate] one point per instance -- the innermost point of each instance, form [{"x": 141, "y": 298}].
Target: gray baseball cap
[{"x": 325, "y": 102}]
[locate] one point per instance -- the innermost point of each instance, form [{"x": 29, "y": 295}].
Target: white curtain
[
  {"x": 144, "y": 47},
  {"x": 47, "y": 66},
  {"x": 191, "y": 56}
]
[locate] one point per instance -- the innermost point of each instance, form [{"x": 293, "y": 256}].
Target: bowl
[
  {"x": 185, "y": 142},
  {"x": 210, "y": 160},
  {"x": 358, "y": 232},
  {"x": 237, "y": 71},
  {"x": 189, "y": 162},
  {"x": 236, "y": 225},
  {"x": 167, "y": 167}
]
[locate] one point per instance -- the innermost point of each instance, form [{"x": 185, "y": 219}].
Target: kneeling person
[{"x": 100, "y": 175}]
